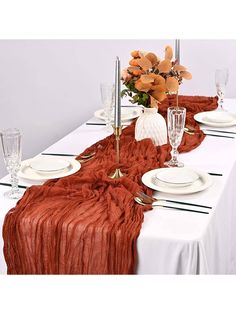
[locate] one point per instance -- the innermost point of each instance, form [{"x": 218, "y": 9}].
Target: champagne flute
[
  {"x": 11, "y": 145},
  {"x": 107, "y": 95},
  {"x": 221, "y": 80},
  {"x": 176, "y": 121}
]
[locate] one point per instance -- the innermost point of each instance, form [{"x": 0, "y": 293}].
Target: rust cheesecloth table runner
[{"x": 87, "y": 223}]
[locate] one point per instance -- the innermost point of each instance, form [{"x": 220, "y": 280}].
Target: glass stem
[
  {"x": 174, "y": 155},
  {"x": 221, "y": 103},
  {"x": 14, "y": 182}
]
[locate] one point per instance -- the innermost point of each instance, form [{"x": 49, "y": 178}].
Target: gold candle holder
[{"x": 117, "y": 173}]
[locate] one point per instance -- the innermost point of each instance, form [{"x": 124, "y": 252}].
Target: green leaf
[{"x": 124, "y": 92}]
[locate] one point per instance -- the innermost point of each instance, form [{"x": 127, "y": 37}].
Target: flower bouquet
[{"x": 148, "y": 80}]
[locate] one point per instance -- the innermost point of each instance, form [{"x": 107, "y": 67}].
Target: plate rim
[
  {"x": 76, "y": 165},
  {"x": 49, "y": 157},
  {"x": 137, "y": 110},
  {"x": 183, "y": 183},
  {"x": 197, "y": 117},
  {"x": 172, "y": 190}
]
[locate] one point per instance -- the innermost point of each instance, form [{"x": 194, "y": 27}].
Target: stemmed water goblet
[
  {"x": 175, "y": 121},
  {"x": 11, "y": 145},
  {"x": 107, "y": 95},
  {"x": 221, "y": 80}
]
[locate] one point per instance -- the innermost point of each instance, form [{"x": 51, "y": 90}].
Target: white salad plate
[
  {"x": 203, "y": 182},
  {"x": 177, "y": 177},
  {"x": 26, "y": 171},
  {"x": 216, "y": 118},
  {"x": 126, "y": 113},
  {"x": 49, "y": 164}
]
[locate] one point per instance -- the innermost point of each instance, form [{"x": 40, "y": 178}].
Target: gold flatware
[
  {"x": 86, "y": 157},
  {"x": 89, "y": 155},
  {"x": 192, "y": 131},
  {"x": 140, "y": 202},
  {"x": 85, "y": 160},
  {"x": 150, "y": 199},
  {"x": 189, "y": 130},
  {"x": 216, "y": 135},
  {"x": 219, "y": 131}
]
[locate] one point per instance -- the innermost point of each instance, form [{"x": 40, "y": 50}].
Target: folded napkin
[{"x": 87, "y": 223}]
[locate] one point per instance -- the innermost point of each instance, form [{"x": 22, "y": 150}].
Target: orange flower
[
  {"x": 168, "y": 53},
  {"x": 159, "y": 94},
  {"x": 172, "y": 84},
  {"x": 146, "y": 78},
  {"x": 158, "y": 79},
  {"x": 135, "y": 54},
  {"x": 153, "y": 58},
  {"x": 144, "y": 63},
  {"x": 164, "y": 66},
  {"x": 133, "y": 62},
  {"x": 186, "y": 75},
  {"x": 142, "y": 87},
  {"x": 136, "y": 71}
]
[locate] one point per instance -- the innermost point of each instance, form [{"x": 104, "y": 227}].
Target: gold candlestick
[
  {"x": 177, "y": 99},
  {"x": 117, "y": 173},
  {"x": 177, "y": 59}
]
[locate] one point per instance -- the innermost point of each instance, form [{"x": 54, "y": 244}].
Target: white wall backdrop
[{"x": 49, "y": 87}]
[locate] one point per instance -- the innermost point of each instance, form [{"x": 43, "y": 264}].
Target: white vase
[{"x": 152, "y": 125}]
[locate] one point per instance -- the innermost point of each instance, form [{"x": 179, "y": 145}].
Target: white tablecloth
[{"x": 175, "y": 242}]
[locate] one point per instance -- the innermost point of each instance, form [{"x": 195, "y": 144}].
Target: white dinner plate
[
  {"x": 216, "y": 118},
  {"x": 126, "y": 113},
  {"x": 176, "y": 177},
  {"x": 202, "y": 183},
  {"x": 49, "y": 164},
  {"x": 26, "y": 172}
]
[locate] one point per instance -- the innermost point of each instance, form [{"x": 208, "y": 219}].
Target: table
[{"x": 173, "y": 242}]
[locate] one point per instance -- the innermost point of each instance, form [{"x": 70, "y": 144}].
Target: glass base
[
  {"x": 173, "y": 163},
  {"x": 14, "y": 194},
  {"x": 221, "y": 108}
]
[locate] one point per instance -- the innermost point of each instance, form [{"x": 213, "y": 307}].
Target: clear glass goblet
[
  {"x": 221, "y": 80},
  {"x": 175, "y": 121},
  {"x": 11, "y": 145},
  {"x": 107, "y": 95}
]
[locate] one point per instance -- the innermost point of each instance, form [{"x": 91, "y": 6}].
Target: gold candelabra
[{"x": 117, "y": 173}]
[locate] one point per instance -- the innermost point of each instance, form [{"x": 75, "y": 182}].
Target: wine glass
[
  {"x": 107, "y": 95},
  {"x": 221, "y": 80},
  {"x": 176, "y": 121},
  {"x": 11, "y": 145}
]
